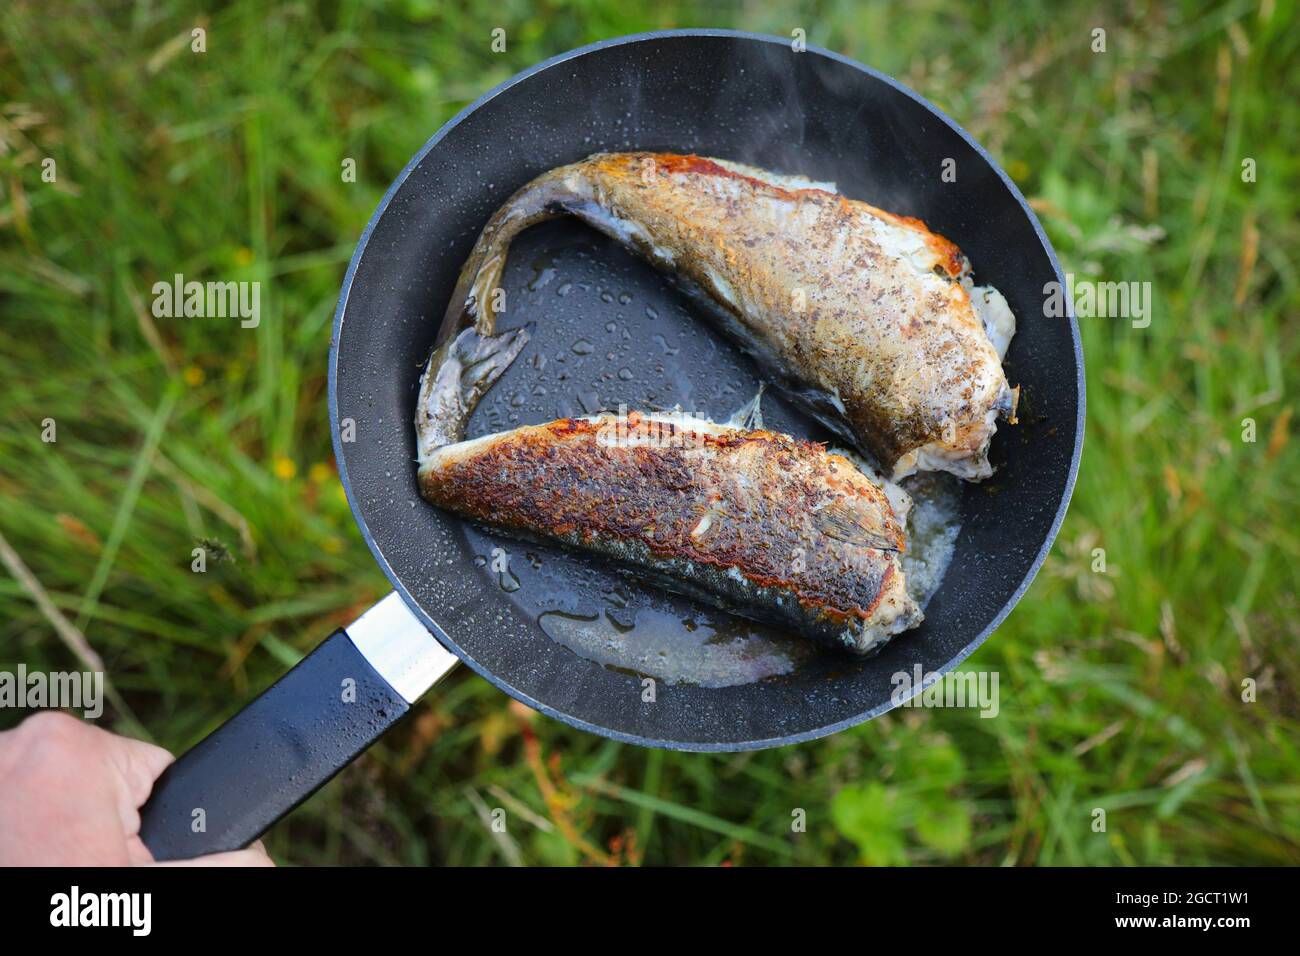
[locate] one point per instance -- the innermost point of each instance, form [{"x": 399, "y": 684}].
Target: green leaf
[
  {"x": 940, "y": 765},
  {"x": 944, "y": 825},
  {"x": 869, "y": 817}
]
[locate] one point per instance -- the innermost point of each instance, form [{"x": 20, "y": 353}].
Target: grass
[{"x": 1121, "y": 691}]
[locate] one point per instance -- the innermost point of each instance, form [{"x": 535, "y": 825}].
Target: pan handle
[{"x": 234, "y": 784}]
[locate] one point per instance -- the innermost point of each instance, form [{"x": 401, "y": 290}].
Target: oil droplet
[
  {"x": 663, "y": 344},
  {"x": 506, "y": 578}
]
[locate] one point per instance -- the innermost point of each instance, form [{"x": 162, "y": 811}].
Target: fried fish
[
  {"x": 765, "y": 525},
  {"x": 871, "y": 320}
]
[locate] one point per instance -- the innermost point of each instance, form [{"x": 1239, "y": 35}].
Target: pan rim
[{"x": 679, "y": 745}]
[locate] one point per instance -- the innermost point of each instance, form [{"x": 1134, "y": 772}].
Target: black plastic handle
[{"x": 271, "y": 756}]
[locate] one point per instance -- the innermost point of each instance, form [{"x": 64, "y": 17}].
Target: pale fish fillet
[{"x": 870, "y": 319}]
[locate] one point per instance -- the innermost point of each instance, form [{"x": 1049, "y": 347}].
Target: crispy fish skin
[
  {"x": 868, "y": 317},
  {"x": 757, "y": 522}
]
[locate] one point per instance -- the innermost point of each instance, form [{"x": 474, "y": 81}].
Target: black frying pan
[{"x": 717, "y": 93}]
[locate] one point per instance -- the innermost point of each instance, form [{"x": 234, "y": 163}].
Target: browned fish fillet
[
  {"x": 868, "y": 317},
  {"x": 760, "y": 523}
]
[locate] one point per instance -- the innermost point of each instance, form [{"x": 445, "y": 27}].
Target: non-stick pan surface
[{"x": 608, "y": 329}]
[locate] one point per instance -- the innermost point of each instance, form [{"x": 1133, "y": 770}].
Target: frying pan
[{"x": 616, "y": 332}]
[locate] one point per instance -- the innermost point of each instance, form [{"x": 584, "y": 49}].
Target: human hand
[{"x": 70, "y": 795}]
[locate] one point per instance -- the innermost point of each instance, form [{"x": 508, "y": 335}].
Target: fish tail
[
  {"x": 478, "y": 297},
  {"x": 472, "y": 355},
  {"x": 458, "y": 374}
]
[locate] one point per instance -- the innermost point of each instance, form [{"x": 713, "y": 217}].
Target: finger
[
  {"x": 135, "y": 766},
  {"x": 138, "y": 765},
  {"x": 137, "y": 853},
  {"x": 254, "y": 855}
]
